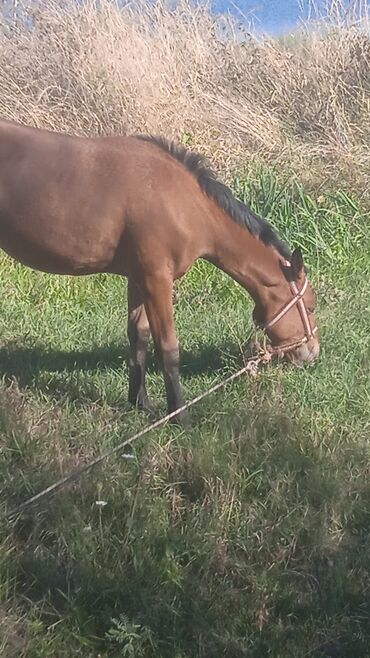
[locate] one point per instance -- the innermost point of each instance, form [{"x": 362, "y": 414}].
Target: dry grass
[
  {"x": 302, "y": 102},
  {"x": 14, "y": 633}
]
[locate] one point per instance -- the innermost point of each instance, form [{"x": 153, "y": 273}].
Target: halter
[{"x": 297, "y": 300}]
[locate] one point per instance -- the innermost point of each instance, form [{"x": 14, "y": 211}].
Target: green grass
[{"x": 246, "y": 536}]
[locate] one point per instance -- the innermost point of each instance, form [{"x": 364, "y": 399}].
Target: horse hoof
[
  {"x": 147, "y": 405},
  {"x": 182, "y": 420},
  {"x": 143, "y": 403}
]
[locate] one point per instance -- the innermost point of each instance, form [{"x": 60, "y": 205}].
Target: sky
[{"x": 272, "y": 16}]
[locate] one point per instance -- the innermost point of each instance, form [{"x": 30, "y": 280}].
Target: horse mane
[{"x": 240, "y": 212}]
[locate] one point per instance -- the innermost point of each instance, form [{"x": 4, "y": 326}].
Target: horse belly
[{"x": 69, "y": 248}]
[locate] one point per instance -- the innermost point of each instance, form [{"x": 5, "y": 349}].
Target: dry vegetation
[{"x": 95, "y": 67}]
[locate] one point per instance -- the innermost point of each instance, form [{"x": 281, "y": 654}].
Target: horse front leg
[{"x": 159, "y": 308}]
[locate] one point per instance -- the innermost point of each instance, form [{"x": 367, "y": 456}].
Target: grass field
[{"x": 246, "y": 536}]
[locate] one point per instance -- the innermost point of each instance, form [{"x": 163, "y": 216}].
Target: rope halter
[{"x": 297, "y": 300}]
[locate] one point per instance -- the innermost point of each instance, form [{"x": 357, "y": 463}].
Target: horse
[{"x": 146, "y": 208}]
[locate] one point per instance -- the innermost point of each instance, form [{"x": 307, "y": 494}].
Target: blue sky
[{"x": 273, "y": 16}]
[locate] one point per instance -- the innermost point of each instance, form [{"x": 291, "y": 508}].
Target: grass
[{"x": 248, "y": 535}]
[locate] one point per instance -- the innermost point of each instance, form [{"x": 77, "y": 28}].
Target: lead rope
[{"x": 251, "y": 366}]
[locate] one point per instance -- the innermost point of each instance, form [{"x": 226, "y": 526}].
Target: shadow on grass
[
  {"x": 185, "y": 576},
  {"x": 24, "y": 363}
]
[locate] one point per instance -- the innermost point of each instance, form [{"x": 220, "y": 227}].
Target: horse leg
[
  {"x": 138, "y": 332},
  {"x": 159, "y": 308}
]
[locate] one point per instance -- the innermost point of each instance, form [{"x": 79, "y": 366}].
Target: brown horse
[{"x": 146, "y": 209}]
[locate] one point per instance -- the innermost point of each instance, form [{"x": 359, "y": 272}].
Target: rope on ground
[{"x": 251, "y": 366}]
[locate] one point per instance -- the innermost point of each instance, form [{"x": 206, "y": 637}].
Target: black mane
[{"x": 240, "y": 212}]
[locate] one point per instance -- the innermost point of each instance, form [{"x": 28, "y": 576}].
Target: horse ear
[{"x": 297, "y": 264}]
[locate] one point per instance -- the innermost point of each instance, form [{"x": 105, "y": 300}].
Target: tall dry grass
[{"x": 98, "y": 67}]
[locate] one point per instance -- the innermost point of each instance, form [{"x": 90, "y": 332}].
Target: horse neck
[{"x": 255, "y": 265}]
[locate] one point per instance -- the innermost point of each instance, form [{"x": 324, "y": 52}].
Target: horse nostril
[
  {"x": 315, "y": 352},
  {"x": 312, "y": 354},
  {"x": 305, "y": 354}
]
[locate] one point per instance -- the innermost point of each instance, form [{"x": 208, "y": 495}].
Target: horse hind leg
[{"x": 138, "y": 332}]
